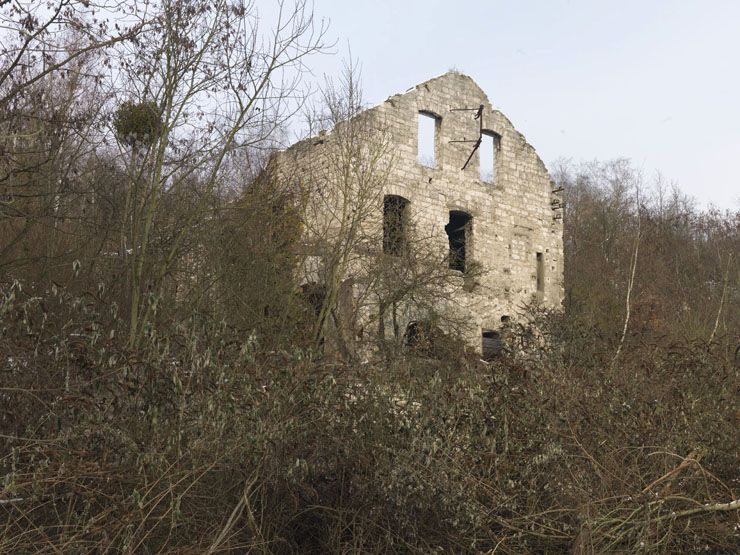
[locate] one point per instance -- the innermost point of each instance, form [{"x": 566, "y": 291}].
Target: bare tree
[
  {"x": 35, "y": 35},
  {"x": 685, "y": 262},
  {"x": 206, "y": 82},
  {"x": 48, "y": 134},
  {"x": 366, "y": 265},
  {"x": 346, "y": 174}
]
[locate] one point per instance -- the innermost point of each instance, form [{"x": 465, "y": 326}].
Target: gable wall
[{"x": 512, "y": 218}]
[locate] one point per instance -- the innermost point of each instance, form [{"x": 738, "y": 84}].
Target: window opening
[
  {"x": 413, "y": 334},
  {"x": 427, "y": 139},
  {"x": 314, "y": 295},
  {"x": 395, "y": 210},
  {"x": 491, "y": 344},
  {"x": 540, "y": 273},
  {"x": 458, "y": 232},
  {"x": 421, "y": 337},
  {"x": 490, "y": 143}
]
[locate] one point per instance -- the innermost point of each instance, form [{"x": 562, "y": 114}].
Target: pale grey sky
[{"x": 657, "y": 81}]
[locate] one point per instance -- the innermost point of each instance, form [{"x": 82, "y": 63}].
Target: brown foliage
[
  {"x": 687, "y": 278},
  {"x": 219, "y": 429},
  {"x": 200, "y": 440}
]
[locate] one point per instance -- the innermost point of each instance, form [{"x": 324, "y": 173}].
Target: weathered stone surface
[{"x": 512, "y": 218}]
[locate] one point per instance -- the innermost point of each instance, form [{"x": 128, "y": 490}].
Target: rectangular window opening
[
  {"x": 427, "y": 139},
  {"x": 489, "y": 146},
  {"x": 458, "y": 233},
  {"x": 540, "y": 273},
  {"x": 491, "y": 344},
  {"x": 395, "y": 224}
]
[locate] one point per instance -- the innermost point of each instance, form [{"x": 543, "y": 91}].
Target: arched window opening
[
  {"x": 427, "y": 139},
  {"x": 413, "y": 334},
  {"x": 395, "y": 216},
  {"x": 489, "y": 150},
  {"x": 459, "y": 232}
]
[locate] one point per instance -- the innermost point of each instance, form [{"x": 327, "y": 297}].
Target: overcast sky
[{"x": 657, "y": 81}]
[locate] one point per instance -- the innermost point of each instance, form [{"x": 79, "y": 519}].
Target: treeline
[
  {"x": 162, "y": 381},
  {"x": 631, "y": 239}
]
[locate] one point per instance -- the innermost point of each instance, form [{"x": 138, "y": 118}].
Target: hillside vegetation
[{"x": 163, "y": 386}]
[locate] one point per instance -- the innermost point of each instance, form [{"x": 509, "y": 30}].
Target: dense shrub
[{"x": 200, "y": 441}]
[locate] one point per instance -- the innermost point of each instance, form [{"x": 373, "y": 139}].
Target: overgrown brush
[{"x": 201, "y": 442}]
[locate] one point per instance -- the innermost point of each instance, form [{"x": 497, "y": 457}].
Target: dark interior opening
[
  {"x": 394, "y": 224},
  {"x": 458, "y": 233},
  {"x": 413, "y": 334},
  {"x": 422, "y": 337},
  {"x": 314, "y": 295},
  {"x": 491, "y": 344},
  {"x": 540, "y": 273}
]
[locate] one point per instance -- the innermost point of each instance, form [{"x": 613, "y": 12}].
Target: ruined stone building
[{"x": 457, "y": 174}]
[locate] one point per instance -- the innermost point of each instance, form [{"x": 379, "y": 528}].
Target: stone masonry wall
[{"x": 513, "y": 217}]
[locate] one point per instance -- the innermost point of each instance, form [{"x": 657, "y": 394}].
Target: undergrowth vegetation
[
  {"x": 168, "y": 384},
  {"x": 202, "y": 441}
]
